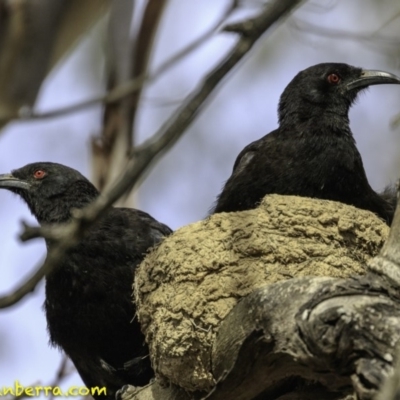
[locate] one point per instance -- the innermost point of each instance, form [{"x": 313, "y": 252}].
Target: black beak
[
  {"x": 8, "y": 181},
  {"x": 370, "y": 77}
]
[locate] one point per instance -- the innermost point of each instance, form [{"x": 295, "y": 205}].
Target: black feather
[
  {"x": 89, "y": 306},
  {"x": 313, "y": 152}
]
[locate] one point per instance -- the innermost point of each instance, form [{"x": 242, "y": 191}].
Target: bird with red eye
[
  {"x": 333, "y": 79},
  {"x": 312, "y": 153},
  {"x": 93, "y": 322},
  {"x": 39, "y": 174}
]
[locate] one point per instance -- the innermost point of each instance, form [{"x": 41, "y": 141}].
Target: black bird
[
  {"x": 89, "y": 308},
  {"x": 313, "y": 152}
]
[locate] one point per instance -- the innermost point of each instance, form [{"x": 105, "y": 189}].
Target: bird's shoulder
[
  {"x": 252, "y": 149},
  {"x": 130, "y": 224},
  {"x": 142, "y": 220}
]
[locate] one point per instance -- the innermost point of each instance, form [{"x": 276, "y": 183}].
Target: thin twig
[
  {"x": 62, "y": 373},
  {"x": 395, "y": 121},
  {"x": 158, "y": 144},
  {"x": 71, "y": 235},
  {"x": 339, "y": 34}
]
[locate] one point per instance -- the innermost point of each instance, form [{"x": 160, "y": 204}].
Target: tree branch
[
  {"x": 339, "y": 34},
  {"x": 120, "y": 92},
  {"x": 154, "y": 147},
  {"x": 391, "y": 388},
  {"x": 61, "y": 373},
  {"x": 143, "y": 48},
  {"x": 34, "y": 35}
]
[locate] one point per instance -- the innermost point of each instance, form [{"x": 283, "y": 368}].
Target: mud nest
[{"x": 187, "y": 286}]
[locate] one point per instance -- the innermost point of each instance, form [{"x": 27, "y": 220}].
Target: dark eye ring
[
  {"x": 333, "y": 79},
  {"x": 39, "y": 174}
]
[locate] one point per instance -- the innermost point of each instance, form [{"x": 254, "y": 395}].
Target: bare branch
[
  {"x": 112, "y": 148},
  {"x": 28, "y": 286},
  {"x": 395, "y": 122},
  {"x": 173, "y": 128},
  {"x": 391, "y": 388},
  {"x": 144, "y": 45},
  {"x": 368, "y": 38},
  {"x": 62, "y": 373},
  {"x": 120, "y": 92},
  {"x": 34, "y": 35},
  {"x": 154, "y": 147},
  {"x": 109, "y": 147},
  {"x": 71, "y": 235}
]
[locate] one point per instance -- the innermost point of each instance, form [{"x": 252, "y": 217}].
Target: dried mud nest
[{"x": 187, "y": 286}]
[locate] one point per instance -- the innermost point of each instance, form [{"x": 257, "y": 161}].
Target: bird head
[
  {"x": 50, "y": 190},
  {"x": 327, "y": 89}
]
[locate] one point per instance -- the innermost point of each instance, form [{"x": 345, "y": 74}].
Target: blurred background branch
[
  {"x": 124, "y": 89},
  {"x": 34, "y": 36}
]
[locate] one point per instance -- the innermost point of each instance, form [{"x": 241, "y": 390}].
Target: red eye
[
  {"x": 39, "y": 174},
  {"x": 333, "y": 79}
]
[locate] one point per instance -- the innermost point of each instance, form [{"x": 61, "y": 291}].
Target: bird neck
[
  {"x": 326, "y": 122},
  {"x": 58, "y": 207},
  {"x": 307, "y": 114}
]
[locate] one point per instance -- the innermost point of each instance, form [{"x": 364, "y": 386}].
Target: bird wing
[
  {"x": 389, "y": 195},
  {"x": 136, "y": 230},
  {"x": 157, "y": 229},
  {"x": 95, "y": 374},
  {"x": 103, "y": 266},
  {"x": 251, "y": 150},
  {"x": 245, "y": 156}
]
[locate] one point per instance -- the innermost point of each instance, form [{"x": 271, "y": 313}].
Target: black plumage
[
  {"x": 89, "y": 306},
  {"x": 313, "y": 152}
]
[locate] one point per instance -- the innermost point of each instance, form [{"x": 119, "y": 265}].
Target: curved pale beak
[
  {"x": 8, "y": 181},
  {"x": 371, "y": 77}
]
